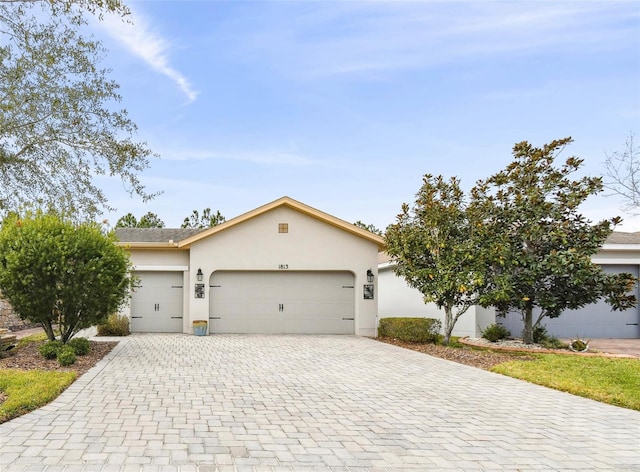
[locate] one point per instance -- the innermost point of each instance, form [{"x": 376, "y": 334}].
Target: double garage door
[{"x": 282, "y": 302}]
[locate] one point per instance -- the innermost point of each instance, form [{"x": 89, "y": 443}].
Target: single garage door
[
  {"x": 156, "y": 305},
  {"x": 592, "y": 321},
  {"x": 282, "y": 302}
]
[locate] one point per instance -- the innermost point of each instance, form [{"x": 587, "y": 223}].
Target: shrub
[
  {"x": 50, "y": 349},
  {"x": 81, "y": 346},
  {"x": 66, "y": 356},
  {"x": 417, "y": 330},
  {"x": 116, "y": 325},
  {"x": 540, "y": 334},
  {"x": 553, "y": 343},
  {"x": 495, "y": 332}
]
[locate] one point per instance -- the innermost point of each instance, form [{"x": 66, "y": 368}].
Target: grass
[
  {"x": 29, "y": 390},
  {"x": 33, "y": 338},
  {"x": 604, "y": 379}
]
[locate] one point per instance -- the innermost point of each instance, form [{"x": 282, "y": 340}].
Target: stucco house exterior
[
  {"x": 284, "y": 267},
  {"x": 621, "y": 253}
]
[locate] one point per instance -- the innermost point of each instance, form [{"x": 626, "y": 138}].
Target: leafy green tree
[
  {"x": 58, "y": 126},
  {"x": 54, "y": 272},
  {"x": 370, "y": 228},
  {"x": 433, "y": 246},
  {"x": 148, "y": 220},
  {"x": 206, "y": 220},
  {"x": 536, "y": 246}
]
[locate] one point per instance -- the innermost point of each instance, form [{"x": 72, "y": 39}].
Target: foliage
[
  {"x": 579, "y": 345},
  {"x": 58, "y": 128},
  {"x": 540, "y": 334},
  {"x": 553, "y": 343},
  {"x": 50, "y": 350},
  {"x": 622, "y": 175},
  {"x": 416, "y": 330},
  {"x": 536, "y": 247},
  {"x": 206, "y": 220},
  {"x": 370, "y": 228},
  {"x": 603, "y": 379},
  {"x": 81, "y": 346},
  {"x": 56, "y": 273},
  {"x": 148, "y": 220},
  {"x": 495, "y": 332},
  {"x": 116, "y": 325},
  {"x": 434, "y": 249},
  {"x": 66, "y": 356},
  {"x": 29, "y": 390}
]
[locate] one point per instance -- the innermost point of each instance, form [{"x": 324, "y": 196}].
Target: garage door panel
[
  {"x": 282, "y": 302},
  {"x": 156, "y": 304}
]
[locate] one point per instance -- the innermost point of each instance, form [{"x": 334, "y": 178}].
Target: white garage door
[
  {"x": 282, "y": 302},
  {"x": 156, "y": 305}
]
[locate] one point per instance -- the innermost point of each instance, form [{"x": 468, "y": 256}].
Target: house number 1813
[{"x": 283, "y": 266}]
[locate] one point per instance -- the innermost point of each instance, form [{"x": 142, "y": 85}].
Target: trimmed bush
[
  {"x": 116, "y": 325},
  {"x": 495, "y": 332},
  {"x": 50, "y": 349},
  {"x": 66, "y": 356},
  {"x": 415, "y": 330},
  {"x": 540, "y": 334},
  {"x": 81, "y": 346}
]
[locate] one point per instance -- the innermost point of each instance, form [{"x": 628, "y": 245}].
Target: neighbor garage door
[
  {"x": 282, "y": 302},
  {"x": 592, "y": 321},
  {"x": 156, "y": 304}
]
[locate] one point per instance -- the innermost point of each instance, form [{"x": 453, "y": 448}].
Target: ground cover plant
[{"x": 604, "y": 379}]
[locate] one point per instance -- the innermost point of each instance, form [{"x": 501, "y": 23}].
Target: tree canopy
[
  {"x": 369, "y": 227},
  {"x": 206, "y": 220},
  {"x": 622, "y": 175},
  {"x": 148, "y": 220},
  {"x": 434, "y": 250},
  {"x": 54, "y": 272},
  {"x": 58, "y": 124},
  {"x": 536, "y": 245}
]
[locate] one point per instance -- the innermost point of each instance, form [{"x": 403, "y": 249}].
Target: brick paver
[{"x": 310, "y": 403}]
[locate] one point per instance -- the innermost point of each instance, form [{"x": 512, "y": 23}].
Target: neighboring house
[
  {"x": 621, "y": 253},
  {"x": 282, "y": 268}
]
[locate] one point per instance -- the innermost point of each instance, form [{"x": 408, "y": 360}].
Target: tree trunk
[
  {"x": 48, "y": 329},
  {"x": 448, "y": 324},
  {"x": 527, "y": 332}
]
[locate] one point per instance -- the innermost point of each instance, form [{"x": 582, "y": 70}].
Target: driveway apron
[{"x": 302, "y": 403}]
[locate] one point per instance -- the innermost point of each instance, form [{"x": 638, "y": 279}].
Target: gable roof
[
  {"x": 158, "y": 238},
  {"x": 295, "y": 205}
]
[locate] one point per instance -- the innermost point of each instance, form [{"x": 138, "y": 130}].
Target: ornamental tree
[
  {"x": 433, "y": 246},
  {"x": 536, "y": 246},
  {"x": 54, "y": 272}
]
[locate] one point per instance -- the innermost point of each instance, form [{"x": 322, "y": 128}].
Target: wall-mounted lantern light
[
  {"x": 369, "y": 276},
  {"x": 199, "y": 275}
]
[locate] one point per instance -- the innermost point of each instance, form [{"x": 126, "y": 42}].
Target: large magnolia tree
[
  {"x": 434, "y": 249},
  {"x": 58, "y": 124},
  {"x": 55, "y": 272},
  {"x": 535, "y": 244}
]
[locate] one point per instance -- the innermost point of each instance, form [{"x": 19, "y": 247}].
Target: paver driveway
[{"x": 250, "y": 402}]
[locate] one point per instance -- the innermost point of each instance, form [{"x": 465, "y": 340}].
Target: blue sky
[{"x": 345, "y": 105}]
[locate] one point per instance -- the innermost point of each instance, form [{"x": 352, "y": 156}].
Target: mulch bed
[
  {"x": 28, "y": 358},
  {"x": 482, "y": 359}
]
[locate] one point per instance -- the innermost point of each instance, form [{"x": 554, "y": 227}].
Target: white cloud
[{"x": 138, "y": 37}]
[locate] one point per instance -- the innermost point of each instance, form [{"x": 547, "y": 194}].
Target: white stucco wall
[
  {"x": 397, "y": 300},
  {"x": 310, "y": 244}
]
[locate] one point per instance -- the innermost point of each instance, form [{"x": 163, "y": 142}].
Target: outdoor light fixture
[
  {"x": 199, "y": 275},
  {"x": 369, "y": 276}
]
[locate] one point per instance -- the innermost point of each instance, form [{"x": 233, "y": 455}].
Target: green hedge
[{"x": 416, "y": 330}]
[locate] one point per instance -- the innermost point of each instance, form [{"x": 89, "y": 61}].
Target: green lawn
[
  {"x": 29, "y": 390},
  {"x": 608, "y": 380}
]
